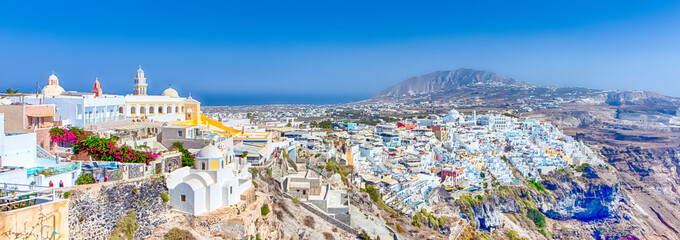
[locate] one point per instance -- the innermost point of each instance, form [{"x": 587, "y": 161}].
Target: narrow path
[{"x": 467, "y": 219}]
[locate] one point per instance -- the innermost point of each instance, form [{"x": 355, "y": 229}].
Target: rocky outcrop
[
  {"x": 95, "y": 209},
  {"x": 487, "y": 214},
  {"x": 566, "y": 197},
  {"x": 644, "y": 98},
  {"x": 569, "y": 199}
]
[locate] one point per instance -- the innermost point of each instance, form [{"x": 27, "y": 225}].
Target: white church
[{"x": 214, "y": 182}]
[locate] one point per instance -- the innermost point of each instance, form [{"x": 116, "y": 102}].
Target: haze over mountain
[
  {"x": 445, "y": 80},
  {"x": 466, "y": 86}
]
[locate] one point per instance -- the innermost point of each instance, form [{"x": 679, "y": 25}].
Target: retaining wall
[{"x": 95, "y": 209}]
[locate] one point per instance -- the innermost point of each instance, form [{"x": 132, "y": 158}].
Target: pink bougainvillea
[{"x": 102, "y": 149}]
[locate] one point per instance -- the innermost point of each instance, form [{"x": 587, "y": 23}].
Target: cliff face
[
  {"x": 644, "y": 158},
  {"x": 488, "y": 214},
  {"x": 566, "y": 197},
  {"x": 94, "y": 210},
  {"x": 652, "y": 182},
  {"x": 585, "y": 201}
]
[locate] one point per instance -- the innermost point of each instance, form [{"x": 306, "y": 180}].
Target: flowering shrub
[
  {"x": 101, "y": 149},
  {"x": 70, "y": 136}
]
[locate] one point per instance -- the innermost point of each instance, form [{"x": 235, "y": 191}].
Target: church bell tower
[{"x": 140, "y": 83}]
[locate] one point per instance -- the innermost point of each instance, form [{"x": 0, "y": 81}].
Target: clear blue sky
[{"x": 342, "y": 49}]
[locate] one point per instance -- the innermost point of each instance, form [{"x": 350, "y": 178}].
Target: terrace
[{"x": 17, "y": 196}]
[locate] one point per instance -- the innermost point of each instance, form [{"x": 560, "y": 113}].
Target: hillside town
[{"x": 229, "y": 161}]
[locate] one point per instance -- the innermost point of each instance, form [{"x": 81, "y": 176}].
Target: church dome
[
  {"x": 170, "y": 92},
  {"x": 210, "y": 152},
  {"x": 452, "y": 116},
  {"x": 52, "y": 78},
  {"x": 52, "y": 90}
]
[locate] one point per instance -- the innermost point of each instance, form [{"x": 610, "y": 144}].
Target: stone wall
[
  {"x": 95, "y": 209},
  {"x": 328, "y": 218}
]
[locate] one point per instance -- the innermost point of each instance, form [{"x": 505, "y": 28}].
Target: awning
[{"x": 44, "y": 115}]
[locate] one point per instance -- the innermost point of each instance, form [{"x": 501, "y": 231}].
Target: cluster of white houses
[
  {"x": 90, "y": 110},
  {"x": 28, "y": 157}
]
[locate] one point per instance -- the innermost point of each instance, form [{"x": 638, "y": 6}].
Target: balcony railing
[
  {"x": 42, "y": 125},
  {"x": 104, "y": 119}
]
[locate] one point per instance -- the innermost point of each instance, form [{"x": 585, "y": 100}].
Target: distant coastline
[{"x": 233, "y": 99}]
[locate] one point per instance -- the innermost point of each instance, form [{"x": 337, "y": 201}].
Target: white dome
[
  {"x": 209, "y": 152},
  {"x": 170, "y": 92},
  {"x": 452, "y": 116},
  {"x": 53, "y": 78},
  {"x": 52, "y": 90}
]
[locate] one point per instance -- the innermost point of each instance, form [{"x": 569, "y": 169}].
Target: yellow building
[{"x": 168, "y": 106}]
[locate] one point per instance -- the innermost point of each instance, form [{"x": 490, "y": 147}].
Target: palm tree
[{"x": 11, "y": 91}]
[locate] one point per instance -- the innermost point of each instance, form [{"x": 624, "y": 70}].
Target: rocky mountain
[
  {"x": 466, "y": 87},
  {"x": 441, "y": 81}
]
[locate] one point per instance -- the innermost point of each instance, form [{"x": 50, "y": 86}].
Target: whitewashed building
[
  {"x": 19, "y": 163},
  {"x": 215, "y": 182},
  {"x": 168, "y": 106}
]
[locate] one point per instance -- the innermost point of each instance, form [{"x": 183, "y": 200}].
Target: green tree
[
  {"x": 187, "y": 157},
  {"x": 582, "y": 167},
  {"x": 178, "y": 145},
  {"x": 126, "y": 226},
  {"x": 178, "y": 234},
  {"x": 289, "y": 125},
  {"x": 253, "y": 171},
  {"x": 85, "y": 178},
  {"x": 11, "y": 91},
  {"x": 249, "y": 115},
  {"x": 536, "y": 216},
  {"x": 313, "y": 124},
  {"x": 264, "y": 210},
  {"x": 326, "y": 124}
]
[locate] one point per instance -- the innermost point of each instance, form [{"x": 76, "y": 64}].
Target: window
[
  {"x": 179, "y": 133},
  {"x": 160, "y": 109},
  {"x": 202, "y": 165},
  {"x": 142, "y": 110},
  {"x": 176, "y": 109},
  {"x": 133, "y": 110},
  {"x": 184, "y": 198},
  {"x": 169, "y": 110},
  {"x": 230, "y": 190}
]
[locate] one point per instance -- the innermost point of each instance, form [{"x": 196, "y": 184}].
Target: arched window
[
  {"x": 176, "y": 109},
  {"x": 182, "y": 108},
  {"x": 169, "y": 110},
  {"x": 202, "y": 165},
  {"x": 120, "y": 110},
  {"x": 142, "y": 110},
  {"x": 160, "y": 110},
  {"x": 133, "y": 110},
  {"x": 151, "y": 110}
]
